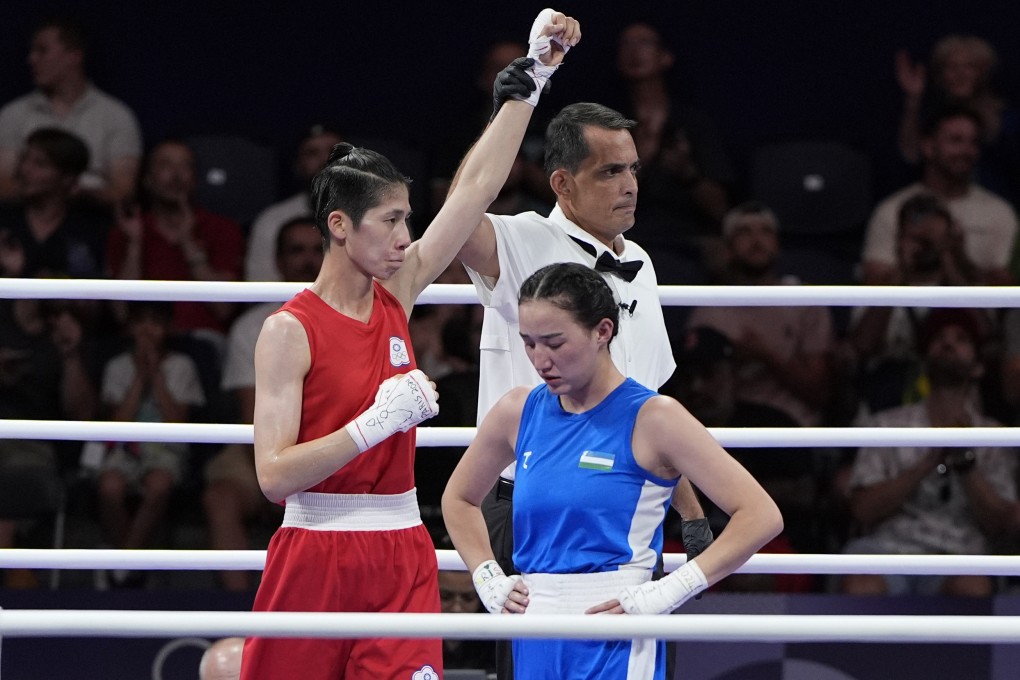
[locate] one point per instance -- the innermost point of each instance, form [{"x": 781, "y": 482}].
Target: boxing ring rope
[
  {"x": 691, "y": 627},
  {"x": 448, "y": 293},
  {"x": 729, "y": 437},
  {"x": 758, "y": 628},
  {"x": 255, "y": 560}
]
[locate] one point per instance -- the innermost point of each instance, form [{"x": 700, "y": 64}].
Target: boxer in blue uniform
[
  {"x": 584, "y": 507},
  {"x": 597, "y": 456}
]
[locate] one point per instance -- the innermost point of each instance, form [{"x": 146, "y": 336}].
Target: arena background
[{"x": 403, "y": 71}]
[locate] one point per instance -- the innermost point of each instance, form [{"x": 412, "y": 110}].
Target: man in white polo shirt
[
  {"x": 65, "y": 98},
  {"x": 592, "y": 165},
  {"x": 985, "y": 223}
]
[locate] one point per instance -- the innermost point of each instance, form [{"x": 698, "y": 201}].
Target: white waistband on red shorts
[
  {"x": 574, "y": 593},
  {"x": 352, "y": 512}
]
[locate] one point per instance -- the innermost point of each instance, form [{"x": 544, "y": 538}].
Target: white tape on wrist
[
  {"x": 664, "y": 595},
  {"x": 538, "y": 45},
  {"x": 540, "y": 73},
  {"x": 493, "y": 585},
  {"x": 401, "y": 402}
]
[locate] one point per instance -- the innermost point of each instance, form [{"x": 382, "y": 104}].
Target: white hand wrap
[
  {"x": 493, "y": 586},
  {"x": 538, "y": 45},
  {"x": 664, "y": 595},
  {"x": 402, "y": 402}
]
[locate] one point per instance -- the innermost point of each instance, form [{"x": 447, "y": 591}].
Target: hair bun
[{"x": 339, "y": 152}]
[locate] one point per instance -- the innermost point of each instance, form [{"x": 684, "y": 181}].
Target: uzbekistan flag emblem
[{"x": 596, "y": 460}]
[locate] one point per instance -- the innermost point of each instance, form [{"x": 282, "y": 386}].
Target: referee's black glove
[
  {"x": 513, "y": 81},
  {"x": 696, "y": 535}
]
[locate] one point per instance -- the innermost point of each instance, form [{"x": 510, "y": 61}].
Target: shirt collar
[
  {"x": 577, "y": 232},
  {"x": 40, "y": 102}
]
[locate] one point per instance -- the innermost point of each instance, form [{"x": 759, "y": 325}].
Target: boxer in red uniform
[{"x": 337, "y": 396}]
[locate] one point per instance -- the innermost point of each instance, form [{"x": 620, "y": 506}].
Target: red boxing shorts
[{"x": 348, "y": 553}]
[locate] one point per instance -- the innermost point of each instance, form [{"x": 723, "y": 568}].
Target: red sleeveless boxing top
[{"x": 349, "y": 361}]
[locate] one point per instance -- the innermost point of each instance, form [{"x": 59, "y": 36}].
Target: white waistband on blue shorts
[
  {"x": 352, "y": 512},
  {"x": 575, "y": 593}
]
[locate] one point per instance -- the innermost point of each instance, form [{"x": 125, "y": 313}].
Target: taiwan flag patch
[{"x": 596, "y": 460}]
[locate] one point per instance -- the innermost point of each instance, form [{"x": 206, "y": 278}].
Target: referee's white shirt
[{"x": 528, "y": 242}]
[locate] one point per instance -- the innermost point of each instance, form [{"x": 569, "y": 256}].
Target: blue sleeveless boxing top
[{"x": 581, "y": 502}]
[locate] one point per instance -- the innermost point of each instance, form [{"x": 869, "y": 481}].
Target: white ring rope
[
  {"x": 255, "y": 560},
  {"x": 695, "y": 627},
  {"x": 729, "y": 437},
  {"x": 445, "y": 293}
]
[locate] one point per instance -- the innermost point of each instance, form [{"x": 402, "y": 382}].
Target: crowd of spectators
[{"x": 80, "y": 199}]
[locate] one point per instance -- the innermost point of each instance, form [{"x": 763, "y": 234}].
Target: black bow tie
[{"x": 607, "y": 263}]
